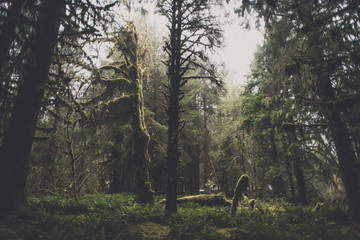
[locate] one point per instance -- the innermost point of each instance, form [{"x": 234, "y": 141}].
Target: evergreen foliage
[{"x": 97, "y": 141}]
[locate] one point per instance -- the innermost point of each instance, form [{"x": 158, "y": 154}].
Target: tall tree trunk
[
  {"x": 172, "y": 145},
  {"x": 16, "y": 147},
  {"x": 339, "y": 132},
  {"x": 174, "y": 108},
  {"x": 344, "y": 149},
  {"x": 140, "y": 143},
  {"x": 347, "y": 162}
]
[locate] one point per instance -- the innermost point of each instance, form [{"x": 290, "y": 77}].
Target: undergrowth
[{"x": 118, "y": 216}]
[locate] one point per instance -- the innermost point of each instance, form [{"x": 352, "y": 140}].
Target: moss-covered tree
[
  {"x": 129, "y": 71},
  {"x": 240, "y": 189}
]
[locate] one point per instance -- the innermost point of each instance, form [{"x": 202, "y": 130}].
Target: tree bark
[
  {"x": 339, "y": 132},
  {"x": 277, "y": 181},
  {"x": 300, "y": 180},
  {"x": 173, "y": 110},
  {"x": 16, "y": 147},
  {"x": 205, "y": 156},
  {"x": 173, "y": 145},
  {"x": 290, "y": 173},
  {"x": 197, "y": 171},
  {"x": 140, "y": 143}
]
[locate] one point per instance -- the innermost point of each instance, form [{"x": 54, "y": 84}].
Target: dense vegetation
[
  {"x": 89, "y": 143},
  {"x": 118, "y": 216}
]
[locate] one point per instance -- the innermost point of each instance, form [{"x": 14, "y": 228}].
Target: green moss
[
  {"x": 204, "y": 200},
  {"x": 318, "y": 206},
  {"x": 251, "y": 204},
  {"x": 118, "y": 216},
  {"x": 240, "y": 188}
]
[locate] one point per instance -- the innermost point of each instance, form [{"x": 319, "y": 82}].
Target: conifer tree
[
  {"x": 323, "y": 68},
  {"x": 192, "y": 29},
  {"x": 18, "y": 137}
]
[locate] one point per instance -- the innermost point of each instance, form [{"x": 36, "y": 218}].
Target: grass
[{"x": 118, "y": 216}]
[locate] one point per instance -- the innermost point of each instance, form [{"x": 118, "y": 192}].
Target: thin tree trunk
[
  {"x": 157, "y": 177},
  {"x": 290, "y": 175},
  {"x": 115, "y": 181},
  {"x": 48, "y": 180},
  {"x": 277, "y": 181},
  {"x": 16, "y": 147},
  {"x": 241, "y": 144},
  {"x": 300, "y": 180},
  {"x": 206, "y": 157},
  {"x": 197, "y": 170},
  {"x": 347, "y": 162},
  {"x": 172, "y": 146}
]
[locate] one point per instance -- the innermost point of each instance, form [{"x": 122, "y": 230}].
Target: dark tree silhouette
[
  {"x": 18, "y": 137},
  {"x": 192, "y": 29}
]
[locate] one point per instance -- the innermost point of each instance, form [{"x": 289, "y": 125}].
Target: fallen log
[{"x": 204, "y": 200}]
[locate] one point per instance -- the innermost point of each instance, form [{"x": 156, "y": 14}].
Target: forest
[{"x": 114, "y": 128}]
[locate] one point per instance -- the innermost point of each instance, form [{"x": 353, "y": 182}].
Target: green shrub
[{"x": 119, "y": 216}]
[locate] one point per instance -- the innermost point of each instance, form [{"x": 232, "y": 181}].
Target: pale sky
[{"x": 239, "y": 44}]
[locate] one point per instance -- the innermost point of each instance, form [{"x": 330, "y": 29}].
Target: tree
[
  {"x": 10, "y": 18},
  {"x": 192, "y": 30},
  {"x": 35, "y": 44},
  {"x": 228, "y": 147},
  {"x": 16, "y": 146},
  {"x": 208, "y": 98},
  {"x": 129, "y": 70},
  {"x": 7, "y": 36},
  {"x": 323, "y": 67}
]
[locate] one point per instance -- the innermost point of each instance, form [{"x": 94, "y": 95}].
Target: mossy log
[
  {"x": 318, "y": 206},
  {"x": 204, "y": 200},
  {"x": 251, "y": 204},
  {"x": 240, "y": 188}
]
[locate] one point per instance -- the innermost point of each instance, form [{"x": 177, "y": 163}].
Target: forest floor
[{"x": 118, "y": 216}]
